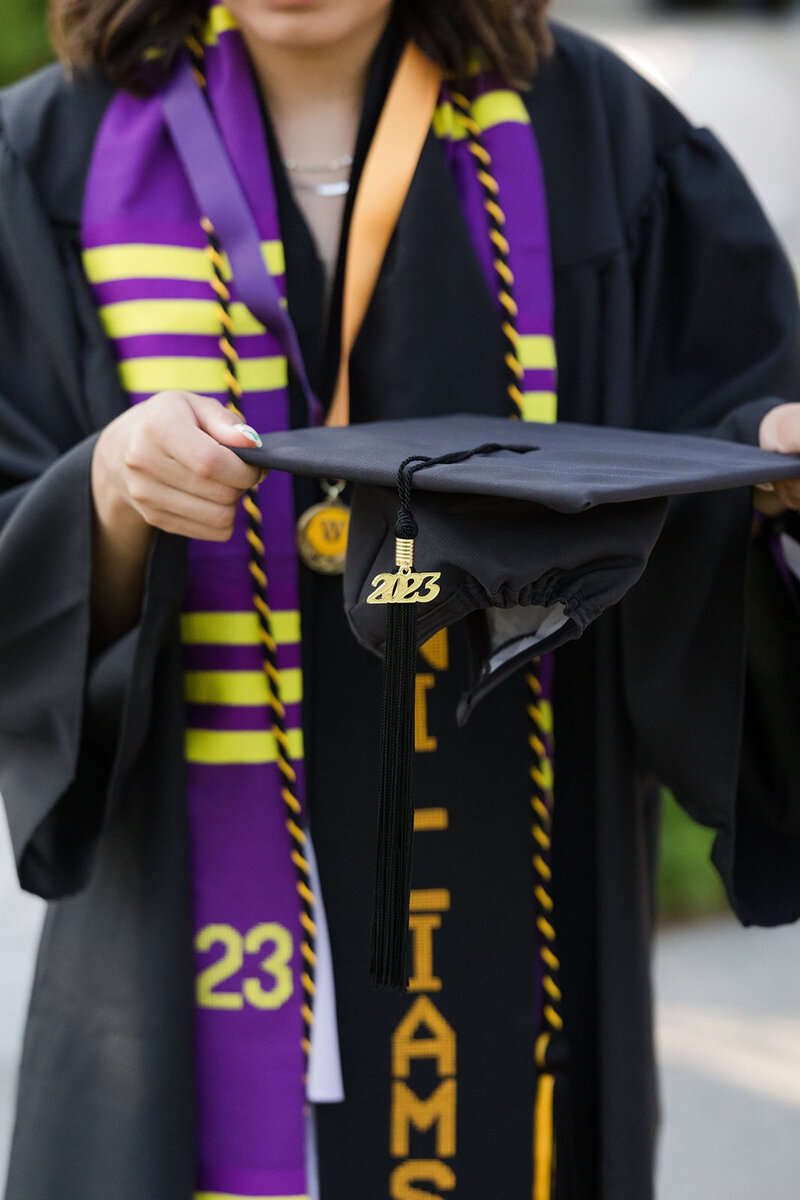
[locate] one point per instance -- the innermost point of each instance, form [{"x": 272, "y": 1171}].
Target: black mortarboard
[{"x": 527, "y": 532}]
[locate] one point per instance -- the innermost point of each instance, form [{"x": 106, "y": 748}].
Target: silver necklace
[
  {"x": 339, "y": 188},
  {"x": 333, "y": 164},
  {"x": 336, "y": 187}
]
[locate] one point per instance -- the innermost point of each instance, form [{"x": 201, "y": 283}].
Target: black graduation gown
[{"x": 675, "y": 309}]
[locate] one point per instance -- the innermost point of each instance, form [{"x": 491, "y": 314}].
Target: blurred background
[{"x": 728, "y": 999}]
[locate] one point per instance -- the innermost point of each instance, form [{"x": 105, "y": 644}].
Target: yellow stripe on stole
[
  {"x": 241, "y": 688},
  {"x": 493, "y": 108},
  {"x": 105, "y": 264},
  {"x": 237, "y": 628},
  {"x": 537, "y": 352},
  {"x": 540, "y": 406},
  {"x": 219, "y": 21},
  {"x": 132, "y": 318},
  {"x": 226, "y": 746},
  {"x": 202, "y": 375}
]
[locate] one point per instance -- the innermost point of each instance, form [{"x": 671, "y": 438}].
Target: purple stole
[{"x": 145, "y": 256}]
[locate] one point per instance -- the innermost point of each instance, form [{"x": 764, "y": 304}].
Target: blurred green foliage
[
  {"x": 688, "y": 885},
  {"x": 24, "y": 44}
]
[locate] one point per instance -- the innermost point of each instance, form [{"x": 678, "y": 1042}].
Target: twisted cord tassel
[
  {"x": 269, "y": 649},
  {"x": 497, "y": 221},
  {"x": 194, "y": 44},
  {"x": 550, "y": 1049}
]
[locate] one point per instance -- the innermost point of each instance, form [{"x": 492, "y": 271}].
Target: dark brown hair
[{"x": 116, "y": 37}]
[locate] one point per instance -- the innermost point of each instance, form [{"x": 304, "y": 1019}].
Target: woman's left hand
[{"x": 780, "y": 430}]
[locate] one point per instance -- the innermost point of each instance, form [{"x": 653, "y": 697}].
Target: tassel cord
[
  {"x": 418, "y": 462},
  {"x": 269, "y": 652}
]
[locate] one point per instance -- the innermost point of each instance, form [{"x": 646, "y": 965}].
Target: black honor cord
[{"x": 402, "y": 591}]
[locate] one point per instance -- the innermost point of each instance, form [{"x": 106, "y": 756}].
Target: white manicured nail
[{"x": 249, "y": 432}]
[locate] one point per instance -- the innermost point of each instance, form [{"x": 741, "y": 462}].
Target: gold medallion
[{"x": 322, "y": 532}]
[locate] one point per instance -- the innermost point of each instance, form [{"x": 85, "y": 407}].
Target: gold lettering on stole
[
  {"x": 426, "y": 820},
  {"x": 423, "y": 741},
  {"x": 436, "y": 651},
  {"x": 424, "y": 919},
  {"x": 422, "y": 928},
  {"x": 424, "y": 1035},
  {"x": 420, "y": 1171},
  {"x": 436, "y": 1111},
  {"x": 410, "y": 1040}
]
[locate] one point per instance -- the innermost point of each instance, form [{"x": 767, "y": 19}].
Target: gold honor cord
[
  {"x": 497, "y": 221},
  {"x": 269, "y": 652},
  {"x": 541, "y": 769},
  {"x": 194, "y": 44},
  {"x": 269, "y": 649},
  {"x": 322, "y": 529},
  {"x": 540, "y": 718}
]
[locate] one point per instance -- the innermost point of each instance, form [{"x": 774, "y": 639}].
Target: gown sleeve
[
  {"x": 718, "y": 344},
  {"x": 70, "y": 722}
]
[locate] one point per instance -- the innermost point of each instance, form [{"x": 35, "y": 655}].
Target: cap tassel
[
  {"x": 389, "y": 962},
  {"x": 401, "y": 590}
]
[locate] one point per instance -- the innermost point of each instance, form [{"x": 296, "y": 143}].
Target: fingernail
[{"x": 249, "y": 432}]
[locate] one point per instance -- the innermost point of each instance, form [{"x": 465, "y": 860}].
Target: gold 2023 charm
[
  {"x": 322, "y": 533},
  {"x": 405, "y": 587}
]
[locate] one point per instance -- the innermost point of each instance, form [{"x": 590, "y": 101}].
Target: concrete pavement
[
  {"x": 20, "y": 920},
  {"x": 729, "y": 1044}
]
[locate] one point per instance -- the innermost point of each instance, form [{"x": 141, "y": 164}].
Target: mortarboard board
[
  {"x": 526, "y": 532},
  {"x": 499, "y": 526}
]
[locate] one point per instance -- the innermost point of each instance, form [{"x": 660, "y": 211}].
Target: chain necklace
[
  {"x": 335, "y": 187},
  {"x": 339, "y": 187},
  {"x": 333, "y": 164}
]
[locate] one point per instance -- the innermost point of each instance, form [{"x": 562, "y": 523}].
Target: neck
[{"x": 307, "y": 81}]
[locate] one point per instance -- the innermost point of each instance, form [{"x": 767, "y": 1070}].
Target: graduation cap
[{"x": 526, "y": 532}]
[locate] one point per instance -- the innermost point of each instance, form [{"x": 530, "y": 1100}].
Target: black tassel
[
  {"x": 401, "y": 592},
  {"x": 389, "y": 965},
  {"x": 389, "y": 960}
]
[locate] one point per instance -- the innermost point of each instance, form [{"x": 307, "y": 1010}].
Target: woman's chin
[{"x": 306, "y": 24}]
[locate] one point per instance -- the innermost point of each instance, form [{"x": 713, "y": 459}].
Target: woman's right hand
[{"x": 165, "y": 463}]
